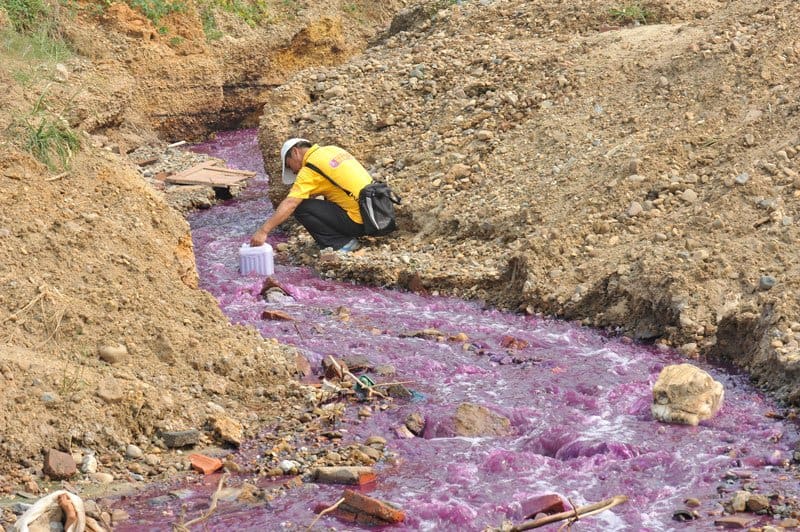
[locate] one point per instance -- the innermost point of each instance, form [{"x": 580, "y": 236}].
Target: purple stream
[{"x": 578, "y": 402}]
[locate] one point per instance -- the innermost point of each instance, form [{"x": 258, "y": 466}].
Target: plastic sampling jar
[{"x": 256, "y": 259}]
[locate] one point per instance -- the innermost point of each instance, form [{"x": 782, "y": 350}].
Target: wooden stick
[
  {"x": 573, "y": 514},
  {"x": 327, "y": 510},
  {"x": 180, "y": 527}
]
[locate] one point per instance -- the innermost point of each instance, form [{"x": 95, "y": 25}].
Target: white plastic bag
[{"x": 48, "y": 504}]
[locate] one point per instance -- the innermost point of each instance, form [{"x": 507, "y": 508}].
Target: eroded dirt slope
[
  {"x": 93, "y": 261},
  {"x": 639, "y": 177}
]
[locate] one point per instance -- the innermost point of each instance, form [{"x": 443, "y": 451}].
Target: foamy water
[{"x": 578, "y": 402}]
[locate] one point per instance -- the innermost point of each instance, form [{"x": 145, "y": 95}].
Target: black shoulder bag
[{"x": 376, "y": 202}]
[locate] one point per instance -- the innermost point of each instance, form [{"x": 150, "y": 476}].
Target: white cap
[{"x": 288, "y": 175}]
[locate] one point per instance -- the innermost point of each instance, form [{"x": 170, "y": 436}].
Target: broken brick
[
  {"x": 542, "y": 504},
  {"x": 275, "y": 315},
  {"x": 355, "y": 475},
  {"x": 205, "y": 464},
  {"x": 361, "y": 504}
]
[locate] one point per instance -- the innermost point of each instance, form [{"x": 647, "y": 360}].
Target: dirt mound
[{"x": 563, "y": 160}]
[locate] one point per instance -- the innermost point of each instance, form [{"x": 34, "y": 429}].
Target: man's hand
[{"x": 258, "y": 238}]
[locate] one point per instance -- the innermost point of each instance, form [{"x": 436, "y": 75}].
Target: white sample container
[{"x": 256, "y": 259}]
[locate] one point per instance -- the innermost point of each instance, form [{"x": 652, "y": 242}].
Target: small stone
[
  {"x": 289, "y": 466},
  {"x": 110, "y": 390},
  {"x": 766, "y": 282},
  {"x": 113, "y": 354},
  {"x": 689, "y": 196},
  {"x": 228, "y": 430},
  {"x": 180, "y": 438},
  {"x": 89, "y": 464},
  {"x": 59, "y": 465},
  {"x": 635, "y": 209},
  {"x": 691, "y": 502},
  {"x": 415, "y": 422},
  {"x": 118, "y": 515},
  {"x": 376, "y": 441},
  {"x": 734, "y": 521},
  {"x": 102, "y": 478},
  {"x": 757, "y": 503},
  {"x": 739, "y": 500},
  {"x": 133, "y": 452}
]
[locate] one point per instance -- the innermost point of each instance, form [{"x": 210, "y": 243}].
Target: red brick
[
  {"x": 361, "y": 504},
  {"x": 205, "y": 464}
]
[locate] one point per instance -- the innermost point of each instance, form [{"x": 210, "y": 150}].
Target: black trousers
[{"x": 327, "y": 222}]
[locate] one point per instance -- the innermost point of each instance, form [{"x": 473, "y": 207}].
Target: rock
[
  {"x": 133, "y": 452},
  {"x": 354, "y": 475},
  {"x": 110, "y": 390},
  {"x": 102, "y": 478},
  {"x": 766, "y": 282},
  {"x": 59, "y": 465},
  {"x": 685, "y": 394},
  {"x": 89, "y": 464},
  {"x": 228, "y": 430},
  {"x": 288, "y": 466},
  {"x": 476, "y": 420},
  {"x": 635, "y": 209},
  {"x": 113, "y": 354},
  {"x": 689, "y": 196},
  {"x": 734, "y": 521},
  {"x": 415, "y": 422},
  {"x": 180, "y": 438},
  {"x": 757, "y": 503},
  {"x": 739, "y": 500},
  {"x": 358, "y": 503}
]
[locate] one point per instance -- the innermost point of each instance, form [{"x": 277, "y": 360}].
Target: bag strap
[{"x": 323, "y": 174}]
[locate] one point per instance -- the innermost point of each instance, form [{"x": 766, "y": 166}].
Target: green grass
[
  {"x": 155, "y": 10},
  {"x": 26, "y": 15},
  {"x": 632, "y": 14},
  {"x": 252, "y": 12},
  {"x": 210, "y": 28},
  {"x": 46, "y": 136}
]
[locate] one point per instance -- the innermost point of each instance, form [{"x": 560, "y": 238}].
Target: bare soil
[
  {"x": 556, "y": 160},
  {"x": 552, "y": 159}
]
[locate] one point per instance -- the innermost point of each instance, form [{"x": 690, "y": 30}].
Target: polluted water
[{"x": 565, "y": 409}]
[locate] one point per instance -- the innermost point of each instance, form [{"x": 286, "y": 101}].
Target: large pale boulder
[{"x": 686, "y": 394}]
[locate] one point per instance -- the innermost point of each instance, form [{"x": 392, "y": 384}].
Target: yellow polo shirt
[{"x": 340, "y": 166}]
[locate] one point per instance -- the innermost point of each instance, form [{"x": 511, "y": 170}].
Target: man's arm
[{"x": 282, "y": 213}]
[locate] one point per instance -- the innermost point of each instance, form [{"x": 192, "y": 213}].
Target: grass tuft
[
  {"x": 47, "y": 136},
  {"x": 632, "y": 14}
]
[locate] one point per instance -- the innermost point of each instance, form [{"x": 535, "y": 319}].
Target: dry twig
[
  {"x": 572, "y": 515},
  {"x": 184, "y": 527},
  {"x": 327, "y": 510}
]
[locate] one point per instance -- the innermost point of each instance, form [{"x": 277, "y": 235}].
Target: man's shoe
[{"x": 350, "y": 246}]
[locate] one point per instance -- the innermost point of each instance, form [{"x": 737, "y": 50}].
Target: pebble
[
  {"x": 742, "y": 178},
  {"x": 102, "y": 478},
  {"x": 766, "y": 282},
  {"x": 635, "y": 209},
  {"x": 89, "y": 464},
  {"x": 133, "y": 452},
  {"x": 289, "y": 466}
]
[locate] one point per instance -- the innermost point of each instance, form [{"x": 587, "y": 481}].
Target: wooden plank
[{"x": 207, "y": 173}]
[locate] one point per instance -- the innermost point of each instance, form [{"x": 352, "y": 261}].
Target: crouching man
[{"x": 327, "y": 171}]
